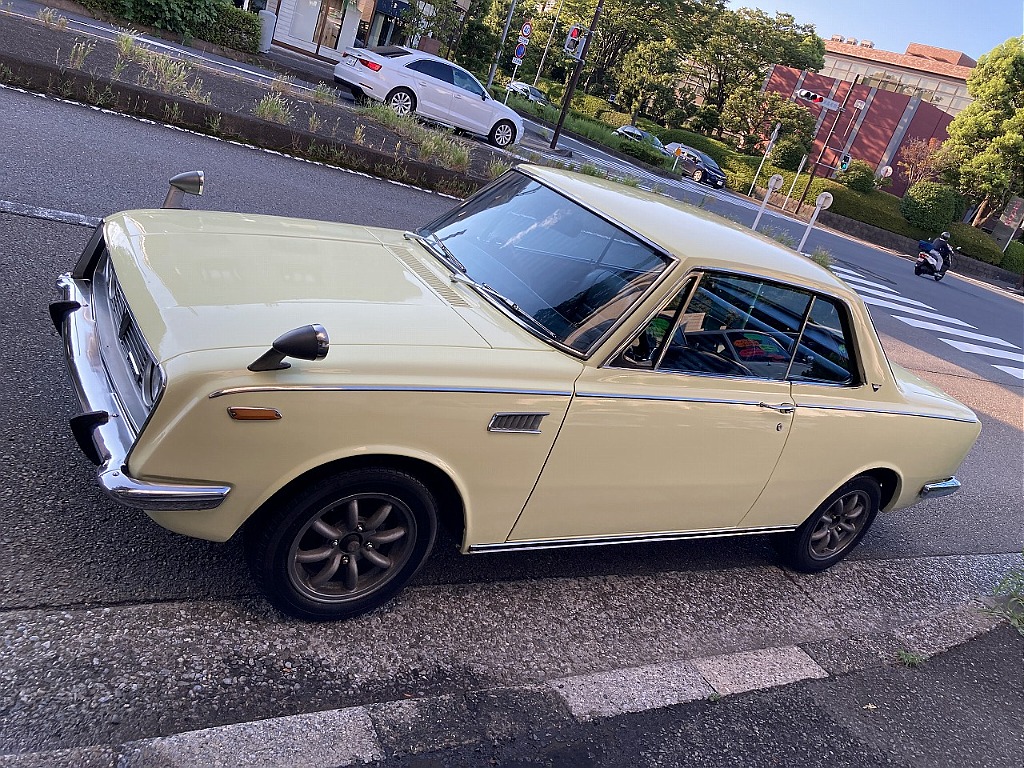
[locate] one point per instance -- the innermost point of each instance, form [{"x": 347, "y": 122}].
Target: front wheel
[
  {"x": 698, "y": 175},
  {"x": 831, "y": 533},
  {"x": 344, "y": 545},
  {"x": 938, "y": 276},
  {"x": 917, "y": 270},
  {"x": 502, "y": 134},
  {"x": 402, "y": 101}
]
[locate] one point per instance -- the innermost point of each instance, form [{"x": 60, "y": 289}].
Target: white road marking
[
  {"x": 975, "y": 349},
  {"x": 893, "y": 296},
  {"x": 954, "y": 331},
  {"x": 919, "y": 312},
  {"x": 855, "y": 281},
  {"x": 1018, "y": 372}
]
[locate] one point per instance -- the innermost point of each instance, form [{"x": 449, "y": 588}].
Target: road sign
[
  {"x": 523, "y": 40},
  {"x": 830, "y": 104},
  {"x": 527, "y": 29},
  {"x": 823, "y": 201},
  {"x": 517, "y": 61},
  {"x": 859, "y": 104},
  {"x": 775, "y": 182},
  {"x": 520, "y": 51}
]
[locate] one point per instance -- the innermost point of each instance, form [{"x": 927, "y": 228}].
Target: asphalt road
[{"x": 99, "y": 606}]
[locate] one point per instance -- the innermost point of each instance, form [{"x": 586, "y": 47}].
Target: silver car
[{"x": 435, "y": 89}]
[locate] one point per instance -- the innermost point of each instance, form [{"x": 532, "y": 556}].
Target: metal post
[
  {"x": 548, "y": 45},
  {"x": 567, "y": 100},
  {"x": 774, "y": 183},
  {"x": 792, "y": 186},
  {"x": 771, "y": 143},
  {"x": 504, "y": 34}
]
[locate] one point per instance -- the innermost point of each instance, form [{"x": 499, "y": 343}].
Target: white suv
[{"x": 414, "y": 82}]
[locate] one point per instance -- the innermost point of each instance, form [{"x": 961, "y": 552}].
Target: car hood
[{"x": 200, "y": 281}]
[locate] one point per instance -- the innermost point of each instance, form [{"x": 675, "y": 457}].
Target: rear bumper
[
  {"x": 102, "y": 431},
  {"x": 940, "y": 488}
]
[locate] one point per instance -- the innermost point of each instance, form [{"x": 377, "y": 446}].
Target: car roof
[{"x": 699, "y": 237}]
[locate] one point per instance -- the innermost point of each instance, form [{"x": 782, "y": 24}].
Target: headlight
[{"x": 152, "y": 383}]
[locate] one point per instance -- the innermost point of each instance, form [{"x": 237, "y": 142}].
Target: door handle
[{"x": 781, "y": 408}]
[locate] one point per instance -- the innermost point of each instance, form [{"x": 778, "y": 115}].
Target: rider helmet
[{"x": 944, "y": 235}]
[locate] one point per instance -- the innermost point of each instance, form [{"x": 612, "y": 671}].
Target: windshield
[
  {"x": 709, "y": 161},
  {"x": 565, "y": 269},
  {"x": 652, "y": 138}
]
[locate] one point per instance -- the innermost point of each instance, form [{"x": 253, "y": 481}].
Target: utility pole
[
  {"x": 567, "y": 101},
  {"x": 504, "y": 34},
  {"x": 545, "y": 54},
  {"x": 824, "y": 146}
]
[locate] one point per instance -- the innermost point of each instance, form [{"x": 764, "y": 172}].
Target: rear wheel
[
  {"x": 917, "y": 269},
  {"x": 502, "y": 134},
  {"x": 402, "y": 101},
  {"x": 344, "y": 545},
  {"x": 698, "y": 175},
  {"x": 831, "y": 533},
  {"x": 938, "y": 276}
]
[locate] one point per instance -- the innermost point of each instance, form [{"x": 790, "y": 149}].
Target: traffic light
[
  {"x": 574, "y": 41},
  {"x": 811, "y": 96},
  {"x": 844, "y": 162}
]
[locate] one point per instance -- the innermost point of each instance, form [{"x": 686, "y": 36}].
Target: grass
[
  {"x": 497, "y": 167},
  {"x": 169, "y": 75},
  {"x": 1010, "y": 590},
  {"x": 281, "y": 84},
  {"x": 275, "y": 108},
  {"x": 314, "y": 122},
  {"x": 324, "y": 94},
  {"x": 79, "y": 53},
  {"x": 821, "y": 257},
  {"x": 911, "y": 659},
  {"x": 51, "y": 18},
  {"x": 447, "y": 151}
]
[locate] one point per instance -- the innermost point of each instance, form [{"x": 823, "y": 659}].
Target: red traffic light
[
  {"x": 574, "y": 40},
  {"x": 811, "y": 96}
]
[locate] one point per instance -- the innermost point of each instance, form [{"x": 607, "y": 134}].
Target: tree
[
  {"x": 647, "y": 68},
  {"x": 919, "y": 160},
  {"x": 985, "y": 149},
  {"x": 739, "y": 46},
  {"x": 439, "y": 20},
  {"x": 753, "y": 114},
  {"x": 478, "y": 41}
]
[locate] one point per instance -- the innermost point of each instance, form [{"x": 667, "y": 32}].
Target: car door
[
  {"x": 471, "y": 109},
  {"x": 433, "y": 85},
  {"x": 681, "y": 431}
]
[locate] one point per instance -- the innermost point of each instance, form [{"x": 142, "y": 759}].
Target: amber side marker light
[{"x": 239, "y": 413}]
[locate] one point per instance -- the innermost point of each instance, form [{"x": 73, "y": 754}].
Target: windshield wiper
[
  {"x": 515, "y": 308},
  {"x": 438, "y": 248}
]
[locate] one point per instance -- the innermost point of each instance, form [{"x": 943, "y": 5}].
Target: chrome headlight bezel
[{"x": 152, "y": 383}]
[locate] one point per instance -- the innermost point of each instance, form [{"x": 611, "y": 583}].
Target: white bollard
[
  {"x": 774, "y": 183},
  {"x": 821, "y": 202}
]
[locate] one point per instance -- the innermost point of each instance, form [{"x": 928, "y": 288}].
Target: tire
[
  {"x": 344, "y": 545},
  {"x": 938, "y": 276},
  {"x": 835, "y": 528},
  {"x": 917, "y": 270},
  {"x": 698, "y": 175},
  {"x": 402, "y": 101},
  {"x": 503, "y": 134}
]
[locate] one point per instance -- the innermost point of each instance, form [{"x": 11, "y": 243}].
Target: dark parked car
[{"x": 699, "y": 166}]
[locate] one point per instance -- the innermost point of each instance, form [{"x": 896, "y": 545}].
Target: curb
[{"x": 379, "y": 731}]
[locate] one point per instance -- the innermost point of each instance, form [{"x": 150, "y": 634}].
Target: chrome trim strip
[
  {"x": 629, "y": 538},
  {"x": 370, "y": 388},
  {"x": 941, "y": 488},
  {"x": 885, "y": 412},
  {"x": 114, "y": 438},
  {"x": 670, "y": 398}
]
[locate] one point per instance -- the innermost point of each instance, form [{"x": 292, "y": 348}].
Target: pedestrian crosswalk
[{"x": 917, "y": 314}]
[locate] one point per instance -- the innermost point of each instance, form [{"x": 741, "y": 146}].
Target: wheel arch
[
  {"x": 451, "y": 508},
  {"x": 889, "y": 482}
]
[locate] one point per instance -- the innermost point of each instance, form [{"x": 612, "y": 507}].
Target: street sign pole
[
  {"x": 821, "y": 202},
  {"x": 544, "y": 55},
  {"x": 799, "y": 170},
  {"x": 567, "y": 100},
  {"x": 504, "y": 35},
  {"x": 771, "y": 143},
  {"x": 775, "y": 182}
]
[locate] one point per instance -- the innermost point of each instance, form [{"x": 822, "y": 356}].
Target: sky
[{"x": 974, "y": 27}]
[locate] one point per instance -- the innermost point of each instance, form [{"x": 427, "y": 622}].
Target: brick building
[{"x": 897, "y": 97}]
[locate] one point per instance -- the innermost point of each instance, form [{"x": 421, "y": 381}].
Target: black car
[{"x": 699, "y": 166}]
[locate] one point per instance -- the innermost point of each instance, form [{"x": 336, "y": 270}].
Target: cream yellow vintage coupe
[{"x": 557, "y": 361}]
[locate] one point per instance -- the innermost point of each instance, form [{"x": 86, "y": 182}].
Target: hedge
[
  {"x": 1013, "y": 259},
  {"x": 930, "y": 205},
  {"x": 975, "y": 243},
  {"x": 643, "y": 151},
  {"x": 215, "y": 21}
]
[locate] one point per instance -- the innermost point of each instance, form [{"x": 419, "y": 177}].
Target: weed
[
  {"x": 446, "y": 151},
  {"x": 589, "y": 169},
  {"x": 79, "y": 52},
  {"x": 118, "y": 68},
  {"x": 1011, "y": 589},
  {"x": 781, "y": 236},
  {"x": 65, "y": 88},
  {"x": 172, "y": 112},
  {"x": 213, "y": 124},
  {"x": 162, "y": 73},
  {"x": 822, "y": 257},
  {"x": 275, "y": 108},
  {"x": 126, "y": 45},
  {"x": 910, "y": 659},
  {"x": 51, "y": 18},
  {"x": 714, "y": 696},
  {"x": 497, "y": 167},
  {"x": 6, "y": 73},
  {"x": 324, "y": 94},
  {"x": 455, "y": 188},
  {"x": 314, "y": 122},
  {"x": 394, "y": 171},
  {"x": 630, "y": 181},
  {"x": 281, "y": 85},
  {"x": 359, "y": 135}
]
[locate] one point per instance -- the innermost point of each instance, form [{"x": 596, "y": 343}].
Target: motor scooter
[{"x": 923, "y": 265}]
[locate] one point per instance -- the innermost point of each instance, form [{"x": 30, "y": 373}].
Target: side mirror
[
  {"x": 483, "y": 96},
  {"x": 310, "y": 342},
  {"x": 189, "y": 183}
]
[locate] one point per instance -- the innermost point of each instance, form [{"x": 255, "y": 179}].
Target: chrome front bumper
[
  {"x": 102, "y": 431},
  {"x": 941, "y": 488}
]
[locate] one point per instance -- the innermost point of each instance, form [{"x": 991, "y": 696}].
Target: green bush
[
  {"x": 234, "y": 28},
  {"x": 787, "y": 153},
  {"x": 975, "y": 243},
  {"x": 860, "y": 177},
  {"x": 930, "y": 205},
  {"x": 1013, "y": 259},
  {"x": 642, "y": 151}
]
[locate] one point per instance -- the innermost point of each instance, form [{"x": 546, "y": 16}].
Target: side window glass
[
  {"x": 641, "y": 353},
  {"x": 823, "y": 354},
  {"x": 466, "y": 82},
  {"x": 434, "y": 69},
  {"x": 736, "y": 326}
]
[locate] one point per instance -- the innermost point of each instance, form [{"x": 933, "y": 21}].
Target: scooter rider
[{"x": 940, "y": 253}]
